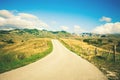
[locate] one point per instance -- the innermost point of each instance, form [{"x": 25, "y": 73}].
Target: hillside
[
  {"x": 21, "y": 47},
  {"x": 32, "y": 33},
  {"x": 104, "y": 41}
]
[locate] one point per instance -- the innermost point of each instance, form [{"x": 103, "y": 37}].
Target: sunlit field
[{"x": 16, "y": 54}]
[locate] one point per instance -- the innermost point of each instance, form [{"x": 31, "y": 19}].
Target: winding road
[{"x": 61, "y": 64}]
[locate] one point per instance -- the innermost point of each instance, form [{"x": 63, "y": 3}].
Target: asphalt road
[{"x": 61, "y": 64}]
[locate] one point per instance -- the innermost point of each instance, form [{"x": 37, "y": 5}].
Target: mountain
[{"x": 18, "y": 34}]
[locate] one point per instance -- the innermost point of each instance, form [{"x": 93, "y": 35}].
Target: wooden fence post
[
  {"x": 114, "y": 52},
  {"x": 108, "y": 55}
]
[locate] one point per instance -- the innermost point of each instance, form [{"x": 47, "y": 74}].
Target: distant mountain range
[
  {"x": 34, "y": 33},
  {"x": 51, "y": 34}
]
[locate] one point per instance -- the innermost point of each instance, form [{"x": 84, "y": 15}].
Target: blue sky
[{"x": 58, "y": 14}]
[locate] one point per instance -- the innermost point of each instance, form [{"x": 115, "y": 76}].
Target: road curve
[{"x": 61, "y": 64}]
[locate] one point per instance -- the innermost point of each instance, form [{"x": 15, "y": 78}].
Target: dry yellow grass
[
  {"x": 30, "y": 47},
  {"x": 102, "y": 60},
  {"x": 20, "y": 53},
  {"x": 83, "y": 49}
]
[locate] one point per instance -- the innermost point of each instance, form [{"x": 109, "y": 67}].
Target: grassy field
[
  {"x": 103, "y": 59},
  {"x": 14, "y": 54}
]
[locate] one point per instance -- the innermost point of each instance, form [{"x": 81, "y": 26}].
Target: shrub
[
  {"x": 10, "y": 41},
  {"x": 110, "y": 40},
  {"x": 86, "y": 40},
  {"x": 7, "y": 58},
  {"x": 100, "y": 40},
  {"x": 21, "y": 56}
]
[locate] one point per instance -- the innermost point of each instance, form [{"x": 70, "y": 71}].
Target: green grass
[
  {"x": 9, "y": 61},
  {"x": 106, "y": 64}
]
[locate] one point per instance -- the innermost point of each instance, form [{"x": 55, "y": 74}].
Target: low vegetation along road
[{"x": 61, "y": 64}]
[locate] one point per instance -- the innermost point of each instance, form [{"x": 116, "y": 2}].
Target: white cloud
[
  {"x": 108, "y": 28},
  {"x": 2, "y": 21},
  {"x": 106, "y": 19},
  {"x": 27, "y": 16},
  {"x": 21, "y": 20},
  {"x": 78, "y": 29},
  {"x": 6, "y": 14},
  {"x": 65, "y": 28}
]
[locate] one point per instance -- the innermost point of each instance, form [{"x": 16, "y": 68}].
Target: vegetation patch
[{"x": 20, "y": 54}]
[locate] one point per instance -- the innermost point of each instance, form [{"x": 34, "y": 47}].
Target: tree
[{"x": 10, "y": 41}]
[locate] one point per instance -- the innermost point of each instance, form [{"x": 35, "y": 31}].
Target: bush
[
  {"x": 10, "y": 41},
  {"x": 86, "y": 40},
  {"x": 110, "y": 40},
  {"x": 100, "y": 40},
  {"x": 7, "y": 58},
  {"x": 21, "y": 56}
]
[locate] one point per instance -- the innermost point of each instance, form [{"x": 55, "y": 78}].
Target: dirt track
[{"x": 61, "y": 64}]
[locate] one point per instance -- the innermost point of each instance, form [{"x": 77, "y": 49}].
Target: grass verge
[
  {"x": 103, "y": 60},
  {"x": 9, "y": 61}
]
